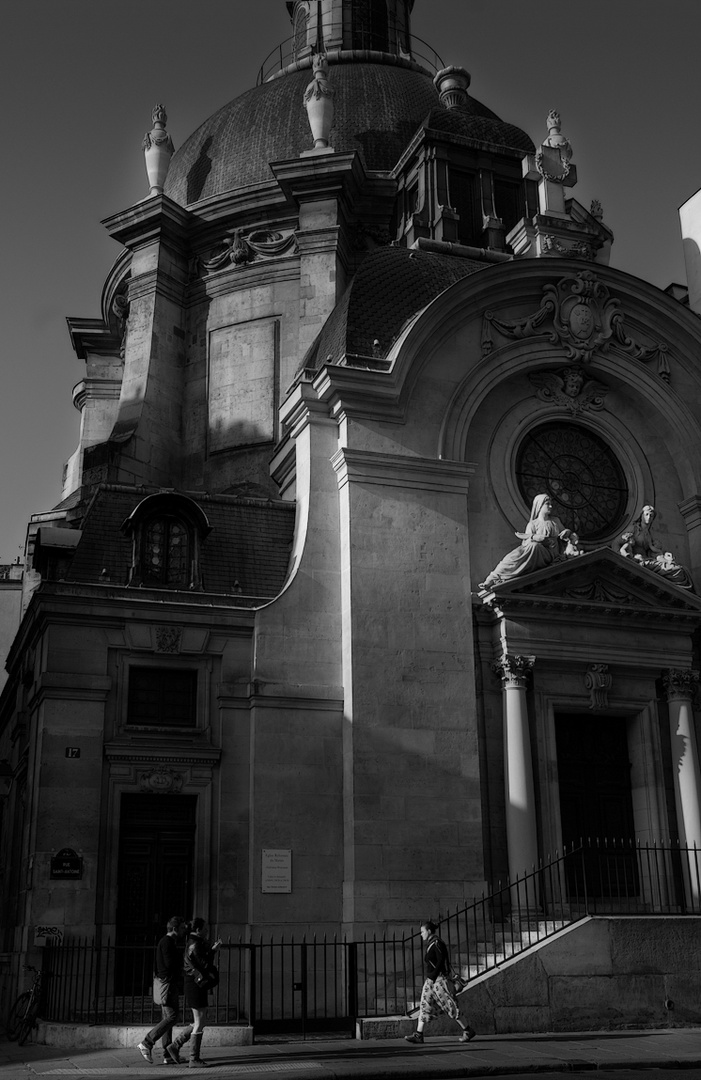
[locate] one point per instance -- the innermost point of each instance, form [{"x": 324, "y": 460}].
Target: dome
[
  {"x": 378, "y": 108},
  {"x": 391, "y": 285}
]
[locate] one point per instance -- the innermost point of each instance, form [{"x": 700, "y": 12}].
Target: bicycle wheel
[
  {"x": 17, "y": 1015},
  {"x": 28, "y": 1022}
]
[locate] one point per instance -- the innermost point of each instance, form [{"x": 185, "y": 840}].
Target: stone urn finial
[
  {"x": 452, "y": 83},
  {"x": 555, "y": 137},
  {"x": 318, "y": 101},
  {"x": 158, "y": 150}
]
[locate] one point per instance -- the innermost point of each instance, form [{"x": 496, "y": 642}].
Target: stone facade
[{"x": 256, "y": 620}]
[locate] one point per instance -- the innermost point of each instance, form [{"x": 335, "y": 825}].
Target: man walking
[{"x": 168, "y": 973}]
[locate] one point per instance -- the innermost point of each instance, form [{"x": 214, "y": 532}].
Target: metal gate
[{"x": 303, "y": 986}]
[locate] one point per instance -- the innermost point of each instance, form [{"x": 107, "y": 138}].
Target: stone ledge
[{"x": 115, "y": 1036}]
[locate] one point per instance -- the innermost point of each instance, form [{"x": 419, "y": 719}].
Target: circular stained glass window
[{"x": 579, "y": 472}]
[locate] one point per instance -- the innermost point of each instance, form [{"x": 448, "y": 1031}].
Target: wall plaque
[
  {"x": 66, "y": 864},
  {"x": 276, "y": 876}
]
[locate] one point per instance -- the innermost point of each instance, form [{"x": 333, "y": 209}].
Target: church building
[{"x": 375, "y": 579}]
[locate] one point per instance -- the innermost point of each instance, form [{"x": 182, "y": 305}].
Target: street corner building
[{"x": 374, "y": 580}]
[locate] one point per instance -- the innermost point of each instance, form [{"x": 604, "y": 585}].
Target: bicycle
[{"x": 25, "y": 1011}]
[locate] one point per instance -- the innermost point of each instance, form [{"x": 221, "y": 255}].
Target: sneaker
[
  {"x": 171, "y": 1055},
  {"x": 146, "y": 1053},
  {"x": 198, "y": 1063},
  {"x": 468, "y": 1033},
  {"x": 415, "y": 1037}
]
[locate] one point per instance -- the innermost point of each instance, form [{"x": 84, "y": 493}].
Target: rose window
[{"x": 579, "y": 472}]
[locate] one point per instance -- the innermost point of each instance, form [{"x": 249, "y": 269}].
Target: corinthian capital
[
  {"x": 514, "y": 670},
  {"x": 679, "y": 683}
]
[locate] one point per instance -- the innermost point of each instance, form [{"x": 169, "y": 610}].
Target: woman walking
[
  {"x": 435, "y": 995},
  {"x": 198, "y": 964}
]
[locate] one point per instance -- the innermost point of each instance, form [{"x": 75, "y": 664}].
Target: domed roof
[
  {"x": 482, "y": 125},
  {"x": 378, "y": 107},
  {"x": 391, "y": 285}
]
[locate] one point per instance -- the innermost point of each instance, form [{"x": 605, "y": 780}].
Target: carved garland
[
  {"x": 580, "y": 315},
  {"x": 237, "y": 250}
]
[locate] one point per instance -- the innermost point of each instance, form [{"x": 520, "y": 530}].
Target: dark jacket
[
  {"x": 169, "y": 959},
  {"x": 198, "y": 955},
  {"x": 436, "y": 958}
]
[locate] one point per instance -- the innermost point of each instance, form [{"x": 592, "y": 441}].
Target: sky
[{"x": 79, "y": 78}]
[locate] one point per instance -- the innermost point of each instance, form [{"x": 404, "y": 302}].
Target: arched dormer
[{"x": 167, "y": 532}]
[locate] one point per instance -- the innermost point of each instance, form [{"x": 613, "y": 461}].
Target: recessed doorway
[
  {"x": 596, "y": 803},
  {"x": 156, "y": 857}
]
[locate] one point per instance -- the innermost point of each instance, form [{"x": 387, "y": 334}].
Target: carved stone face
[
  {"x": 573, "y": 383},
  {"x": 648, "y": 515}
]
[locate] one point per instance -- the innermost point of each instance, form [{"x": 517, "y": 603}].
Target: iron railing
[
  {"x": 307, "y": 985},
  {"x": 287, "y": 53}
]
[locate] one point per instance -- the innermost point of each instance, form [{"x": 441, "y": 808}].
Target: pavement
[{"x": 672, "y": 1049}]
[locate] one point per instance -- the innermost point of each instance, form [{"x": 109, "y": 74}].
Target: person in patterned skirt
[{"x": 436, "y": 996}]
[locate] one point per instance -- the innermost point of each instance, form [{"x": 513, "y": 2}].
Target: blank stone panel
[{"x": 242, "y": 378}]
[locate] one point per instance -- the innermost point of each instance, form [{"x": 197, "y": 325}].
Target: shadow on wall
[{"x": 197, "y": 176}]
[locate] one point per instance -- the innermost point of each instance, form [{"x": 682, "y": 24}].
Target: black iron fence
[{"x": 309, "y": 985}]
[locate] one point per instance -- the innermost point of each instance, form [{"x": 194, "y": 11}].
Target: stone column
[
  {"x": 518, "y": 766},
  {"x": 679, "y": 685}
]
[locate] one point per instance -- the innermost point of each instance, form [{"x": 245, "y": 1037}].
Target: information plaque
[{"x": 276, "y": 876}]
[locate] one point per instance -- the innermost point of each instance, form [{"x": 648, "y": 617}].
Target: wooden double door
[{"x": 155, "y": 879}]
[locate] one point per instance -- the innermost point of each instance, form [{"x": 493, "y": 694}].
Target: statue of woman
[
  {"x": 543, "y": 542},
  {"x": 639, "y": 544}
]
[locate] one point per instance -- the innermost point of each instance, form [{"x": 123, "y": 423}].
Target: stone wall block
[
  {"x": 586, "y": 950},
  {"x": 633, "y": 949},
  {"x": 514, "y": 1018},
  {"x": 586, "y": 1002},
  {"x": 527, "y": 985}
]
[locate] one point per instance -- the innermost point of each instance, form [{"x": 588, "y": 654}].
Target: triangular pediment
[{"x": 601, "y": 581}]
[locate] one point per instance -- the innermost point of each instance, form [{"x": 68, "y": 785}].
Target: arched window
[
  {"x": 301, "y": 27},
  {"x": 166, "y": 552},
  {"x": 167, "y": 531}
]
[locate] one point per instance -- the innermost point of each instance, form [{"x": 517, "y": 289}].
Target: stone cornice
[
  {"x": 156, "y": 282},
  {"x": 73, "y": 686},
  {"x": 95, "y": 390},
  {"x": 92, "y": 336},
  {"x": 360, "y": 392},
  {"x": 155, "y": 219},
  {"x": 397, "y": 470},
  {"x": 312, "y": 178},
  {"x": 134, "y": 752}
]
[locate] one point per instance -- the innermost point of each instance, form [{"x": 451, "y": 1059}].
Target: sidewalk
[{"x": 382, "y": 1059}]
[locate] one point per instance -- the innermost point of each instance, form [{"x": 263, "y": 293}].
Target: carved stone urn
[
  {"x": 158, "y": 150},
  {"x": 318, "y": 101}
]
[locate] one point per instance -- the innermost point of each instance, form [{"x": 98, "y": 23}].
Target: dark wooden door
[
  {"x": 156, "y": 853},
  {"x": 596, "y": 803}
]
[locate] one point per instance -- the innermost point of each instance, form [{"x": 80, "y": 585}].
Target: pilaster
[{"x": 147, "y": 430}]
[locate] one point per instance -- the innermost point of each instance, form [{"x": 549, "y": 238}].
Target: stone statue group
[{"x": 546, "y": 541}]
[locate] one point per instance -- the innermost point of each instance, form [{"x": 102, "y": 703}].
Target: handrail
[
  {"x": 598, "y": 876},
  {"x": 283, "y": 54}
]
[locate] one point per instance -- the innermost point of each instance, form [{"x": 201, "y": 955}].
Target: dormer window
[
  {"x": 167, "y": 531},
  {"x": 166, "y": 553}
]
